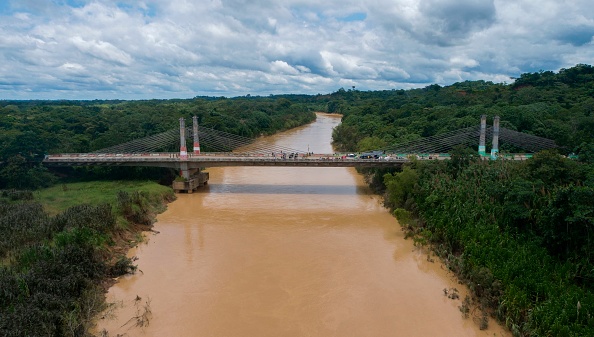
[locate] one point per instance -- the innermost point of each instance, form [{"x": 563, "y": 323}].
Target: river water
[{"x": 280, "y": 251}]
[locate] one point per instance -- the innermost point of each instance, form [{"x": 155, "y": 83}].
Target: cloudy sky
[{"x": 105, "y": 49}]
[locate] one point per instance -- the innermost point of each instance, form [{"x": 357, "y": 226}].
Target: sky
[{"x": 128, "y": 49}]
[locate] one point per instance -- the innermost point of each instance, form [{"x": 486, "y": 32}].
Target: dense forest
[
  {"x": 520, "y": 234},
  {"x": 31, "y": 129}
]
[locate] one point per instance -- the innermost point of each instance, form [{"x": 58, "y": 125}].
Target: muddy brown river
[{"x": 280, "y": 251}]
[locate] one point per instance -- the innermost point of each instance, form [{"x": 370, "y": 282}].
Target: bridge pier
[
  {"x": 192, "y": 179},
  {"x": 184, "y": 171}
]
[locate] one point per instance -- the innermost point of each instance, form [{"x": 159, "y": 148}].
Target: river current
[{"x": 281, "y": 251}]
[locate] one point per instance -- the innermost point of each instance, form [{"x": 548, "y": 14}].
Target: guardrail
[{"x": 214, "y": 160}]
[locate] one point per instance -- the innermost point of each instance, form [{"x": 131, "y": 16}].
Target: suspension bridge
[{"x": 225, "y": 149}]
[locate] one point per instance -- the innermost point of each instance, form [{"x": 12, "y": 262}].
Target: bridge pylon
[
  {"x": 482, "y": 149},
  {"x": 196, "y": 139},
  {"x": 192, "y": 176},
  {"x": 495, "y": 144},
  {"x": 183, "y": 150}
]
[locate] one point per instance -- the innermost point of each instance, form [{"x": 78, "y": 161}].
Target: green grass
[{"x": 60, "y": 197}]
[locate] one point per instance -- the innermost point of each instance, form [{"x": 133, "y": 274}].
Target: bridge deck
[{"x": 172, "y": 160}]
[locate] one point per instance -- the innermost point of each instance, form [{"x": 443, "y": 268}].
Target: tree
[
  {"x": 370, "y": 143},
  {"x": 461, "y": 157},
  {"x": 14, "y": 173},
  {"x": 400, "y": 186}
]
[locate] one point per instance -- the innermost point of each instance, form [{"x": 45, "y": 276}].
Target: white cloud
[
  {"x": 283, "y": 67},
  {"x": 184, "y": 48},
  {"x": 463, "y": 62},
  {"x": 75, "y": 67},
  {"x": 102, "y": 50}
]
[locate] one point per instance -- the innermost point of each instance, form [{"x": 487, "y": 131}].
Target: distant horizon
[
  {"x": 266, "y": 96},
  {"x": 175, "y": 49},
  {"x": 237, "y": 96}
]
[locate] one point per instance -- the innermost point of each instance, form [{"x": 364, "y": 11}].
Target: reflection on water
[
  {"x": 286, "y": 252},
  {"x": 282, "y": 189}
]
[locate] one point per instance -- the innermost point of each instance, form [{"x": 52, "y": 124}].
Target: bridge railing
[{"x": 78, "y": 158}]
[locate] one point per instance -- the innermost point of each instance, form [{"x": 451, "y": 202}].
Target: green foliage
[
  {"x": 22, "y": 224},
  {"x": 403, "y": 216},
  {"x": 519, "y": 243},
  {"x": 53, "y": 266},
  {"x": 370, "y": 143},
  {"x": 551, "y": 168},
  {"x": 57, "y": 199},
  {"x": 39, "y": 297},
  {"x": 400, "y": 187},
  {"x": 460, "y": 158},
  {"x": 586, "y": 152},
  {"x": 123, "y": 266},
  {"x": 134, "y": 207},
  {"x": 99, "y": 218},
  {"x": 14, "y": 195},
  {"x": 520, "y": 234},
  {"x": 345, "y": 138},
  {"x": 20, "y": 174}
]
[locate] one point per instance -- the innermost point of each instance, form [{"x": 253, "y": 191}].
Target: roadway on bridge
[{"x": 219, "y": 159}]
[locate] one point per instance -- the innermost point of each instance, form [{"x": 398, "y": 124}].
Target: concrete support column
[
  {"x": 184, "y": 171},
  {"x": 482, "y": 149},
  {"x": 196, "y": 139},
  {"x": 495, "y": 147},
  {"x": 183, "y": 151}
]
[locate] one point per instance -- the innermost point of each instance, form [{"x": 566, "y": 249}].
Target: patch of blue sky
[
  {"x": 125, "y": 6},
  {"x": 150, "y": 10},
  {"x": 74, "y": 3},
  {"x": 304, "y": 13},
  {"x": 359, "y": 16},
  {"x": 5, "y": 7},
  {"x": 11, "y": 6}
]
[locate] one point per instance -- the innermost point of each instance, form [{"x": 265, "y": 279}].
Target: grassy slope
[{"x": 60, "y": 197}]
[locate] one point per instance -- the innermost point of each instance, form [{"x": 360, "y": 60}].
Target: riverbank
[
  {"x": 63, "y": 246},
  {"x": 399, "y": 186},
  {"x": 503, "y": 239}
]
